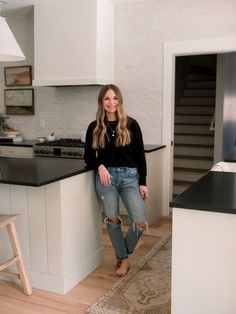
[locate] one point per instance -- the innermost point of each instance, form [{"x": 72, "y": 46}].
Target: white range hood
[{"x": 74, "y": 43}]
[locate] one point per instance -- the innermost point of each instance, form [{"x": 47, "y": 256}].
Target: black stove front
[{"x": 61, "y": 148}]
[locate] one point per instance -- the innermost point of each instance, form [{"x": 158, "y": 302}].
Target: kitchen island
[
  {"x": 60, "y": 227},
  {"x": 203, "y": 251}
]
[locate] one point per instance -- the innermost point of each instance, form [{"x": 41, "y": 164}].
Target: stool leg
[{"x": 20, "y": 263}]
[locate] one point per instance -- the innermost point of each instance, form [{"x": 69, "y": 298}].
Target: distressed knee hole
[
  {"x": 140, "y": 225},
  {"x": 113, "y": 219}
]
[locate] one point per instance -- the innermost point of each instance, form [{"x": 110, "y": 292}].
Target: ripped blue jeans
[{"x": 125, "y": 185}]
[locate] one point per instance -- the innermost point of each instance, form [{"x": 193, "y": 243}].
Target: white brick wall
[{"x": 141, "y": 27}]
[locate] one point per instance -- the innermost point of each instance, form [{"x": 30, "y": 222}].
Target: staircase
[{"x": 193, "y": 139}]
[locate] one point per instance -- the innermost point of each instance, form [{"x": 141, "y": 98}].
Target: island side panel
[
  {"x": 53, "y": 224},
  {"x": 203, "y": 262},
  {"x": 82, "y": 232},
  {"x": 73, "y": 228}
]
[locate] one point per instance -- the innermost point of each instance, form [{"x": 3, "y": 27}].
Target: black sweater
[{"x": 131, "y": 155}]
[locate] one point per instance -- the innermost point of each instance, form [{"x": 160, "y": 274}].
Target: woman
[{"x": 114, "y": 146}]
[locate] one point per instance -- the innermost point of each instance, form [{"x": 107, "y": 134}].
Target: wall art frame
[
  {"x": 18, "y": 75},
  {"x": 19, "y": 101}
]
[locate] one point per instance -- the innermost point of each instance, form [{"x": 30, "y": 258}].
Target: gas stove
[{"x": 61, "y": 148}]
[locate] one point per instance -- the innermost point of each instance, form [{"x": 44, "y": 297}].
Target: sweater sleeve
[
  {"x": 138, "y": 146},
  {"x": 90, "y": 155}
]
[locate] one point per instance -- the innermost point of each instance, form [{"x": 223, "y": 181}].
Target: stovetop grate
[{"x": 63, "y": 142}]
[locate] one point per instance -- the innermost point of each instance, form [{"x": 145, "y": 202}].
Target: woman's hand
[
  {"x": 144, "y": 191},
  {"x": 104, "y": 175}
]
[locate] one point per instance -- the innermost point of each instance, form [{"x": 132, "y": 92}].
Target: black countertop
[
  {"x": 24, "y": 143},
  {"x": 38, "y": 171},
  {"x": 30, "y": 143},
  {"x": 152, "y": 147},
  {"x": 41, "y": 171},
  {"x": 215, "y": 192}
]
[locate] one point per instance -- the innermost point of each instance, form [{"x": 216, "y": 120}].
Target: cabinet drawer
[{"x": 10, "y": 151}]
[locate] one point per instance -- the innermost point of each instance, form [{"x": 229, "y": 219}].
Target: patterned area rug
[{"x": 145, "y": 289}]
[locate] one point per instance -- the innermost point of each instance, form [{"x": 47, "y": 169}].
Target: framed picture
[
  {"x": 19, "y": 101},
  {"x": 18, "y": 76}
]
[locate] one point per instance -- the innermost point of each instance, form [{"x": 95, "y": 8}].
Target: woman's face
[{"x": 110, "y": 102}]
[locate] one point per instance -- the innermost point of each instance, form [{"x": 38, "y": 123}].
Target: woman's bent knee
[
  {"x": 140, "y": 224},
  {"x": 114, "y": 219}
]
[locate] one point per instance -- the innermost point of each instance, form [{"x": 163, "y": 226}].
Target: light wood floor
[{"x": 13, "y": 301}]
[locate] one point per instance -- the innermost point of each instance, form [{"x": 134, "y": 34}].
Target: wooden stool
[{"x": 9, "y": 222}]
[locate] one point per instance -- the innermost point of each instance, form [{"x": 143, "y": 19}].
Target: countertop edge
[
  {"x": 30, "y": 143},
  {"x": 148, "y": 148},
  {"x": 214, "y": 192}
]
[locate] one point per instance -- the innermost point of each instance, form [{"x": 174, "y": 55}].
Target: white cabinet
[
  {"x": 155, "y": 174},
  {"x": 73, "y": 42},
  {"x": 16, "y": 151}
]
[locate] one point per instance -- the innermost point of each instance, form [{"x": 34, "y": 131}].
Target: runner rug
[{"x": 146, "y": 287}]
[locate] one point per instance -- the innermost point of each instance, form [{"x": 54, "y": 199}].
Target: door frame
[{"x": 170, "y": 51}]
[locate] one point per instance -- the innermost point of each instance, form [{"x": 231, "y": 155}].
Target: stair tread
[
  {"x": 194, "y": 170},
  {"x": 194, "y": 106},
  {"x": 201, "y": 96},
  {"x": 200, "y": 88},
  {"x": 194, "y": 114},
  {"x": 194, "y": 145},
  {"x": 195, "y": 134},
  {"x": 174, "y": 196},
  {"x": 200, "y": 78},
  {"x": 191, "y": 124},
  {"x": 193, "y": 157},
  {"x": 194, "y": 102},
  {"x": 183, "y": 182}
]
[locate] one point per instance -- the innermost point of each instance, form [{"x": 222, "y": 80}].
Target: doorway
[
  {"x": 171, "y": 51},
  {"x": 194, "y": 112}
]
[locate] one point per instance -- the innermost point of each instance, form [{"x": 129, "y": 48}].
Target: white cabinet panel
[
  {"x": 54, "y": 228},
  {"x": 37, "y": 229},
  {"x": 5, "y": 198},
  {"x": 155, "y": 185},
  {"x": 19, "y": 205},
  {"x": 16, "y": 151},
  {"x": 203, "y": 262},
  {"x": 155, "y": 174}
]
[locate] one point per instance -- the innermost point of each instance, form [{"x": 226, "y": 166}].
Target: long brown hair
[{"x": 123, "y": 136}]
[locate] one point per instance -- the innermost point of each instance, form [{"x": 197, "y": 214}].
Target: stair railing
[{"x": 212, "y": 125}]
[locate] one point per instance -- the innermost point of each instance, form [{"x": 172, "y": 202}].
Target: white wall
[
  {"x": 229, "y": 112},
  {"x": 141, "y": 28}
]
